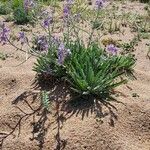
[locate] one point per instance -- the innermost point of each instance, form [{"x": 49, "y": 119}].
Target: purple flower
[
  {"x": 4, "y": 34},
  {"x": 99, "y": 4},
  {"x": 28, "y": 4},
  {"x": 42, "y": 43},
  {"x": 66, "y": 11},
  {"x": 22, "y": 38},
  {"x": 112, "y": 49},
  {"x": 62, "y": 53},
  {"x": 47, "y": 22}
]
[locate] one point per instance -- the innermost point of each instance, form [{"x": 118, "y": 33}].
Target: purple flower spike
[
  {"x": 47, "y": 22},
  {"x": 4, "y": 34},
  {"x": 112, "y": 49},
  {"x": 99, "y": 4},
  {"x": 62, "y": 53},
  {"x": 22, "y": 38},
  {"x": 42, "y": 43},
  {"x": 66, "y": 11}
]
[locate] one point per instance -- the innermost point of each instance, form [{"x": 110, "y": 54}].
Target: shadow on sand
[{"x": 64, "y": 107}]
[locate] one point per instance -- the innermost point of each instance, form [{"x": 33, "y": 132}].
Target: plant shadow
[
  {"x": 35, "y": 112},
  {"x": 84, "y": 107},
  {"x": 64, "y": 106}
]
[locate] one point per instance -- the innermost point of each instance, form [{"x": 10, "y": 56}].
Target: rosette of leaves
[{"x": 91, "y": 71}]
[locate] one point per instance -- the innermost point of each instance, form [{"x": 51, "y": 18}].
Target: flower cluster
[
  {"x": 62, "y": 53},
  {"x": 112, "y": 49},
  {"x": 4, "y": 34},
  {"x": 42, "y": 43},
  {"x": 28, "y": 4},
  {"x": 47, "y": 22},
  {"x": 67, "y": 10},
  {"x": 99, "y": 4},
  {"x": 22, "y": 38}
]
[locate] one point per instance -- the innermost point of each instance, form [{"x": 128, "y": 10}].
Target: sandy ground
[{"x": 122, "y": 125}]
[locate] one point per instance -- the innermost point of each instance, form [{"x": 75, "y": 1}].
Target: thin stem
[
  {"x": 92, "y": 32},
  {"x": 19, "y": 48},
  {"x": 53, "y": 13}
]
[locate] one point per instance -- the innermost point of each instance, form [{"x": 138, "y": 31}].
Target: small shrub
[
  {"x": 5, "y": 8},
  {"x": 20, "y": 16},
  {"x": 23, "y": 12},
  {"x": 16, "y": 3},
  {"x": 88, "y": 68}
]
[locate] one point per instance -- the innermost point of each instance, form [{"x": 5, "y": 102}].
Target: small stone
[{"x": 135, "y": 95}]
